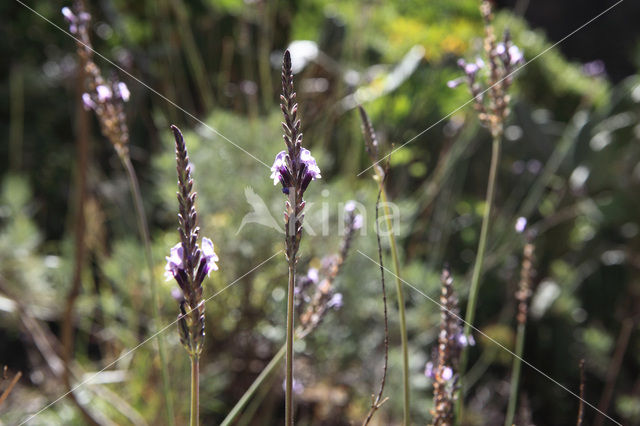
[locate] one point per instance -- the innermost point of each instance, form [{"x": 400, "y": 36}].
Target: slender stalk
[
  {"x": 377, "y": 402},
  {"x": 515, "y": 375},
  {"x": 401, "y": 311},
  {"x": 372, "y": 147},
  {"x": 67, "y": 331},
  {"x": 9, "y": 388},
  {"x": 195, "y": 390},
  {"x": 477, "y": 268},
  {"x": 237, "y": 409},
  {"x": 581, "y": 405},
  {"x": 144, "y": 234},
  {"x": 289, "y": 357}
]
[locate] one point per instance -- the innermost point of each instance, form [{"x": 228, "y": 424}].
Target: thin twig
[
  {"x": 372, "y": 146},
  {"x": 581, "y": 405},
  {"x": 9, "y": 388},
  {"x": 82, "y": 150},
  {"x": 378, "y": 401}
]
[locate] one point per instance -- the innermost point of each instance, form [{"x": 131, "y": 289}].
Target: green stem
[
  {"x": 403, "y": 322},
  {"x": 515, "y": 375},
  {"x": 477, "y": 268},
  {"x": 257, "y": 383},
  {"x": 195, "y": 390},
  {"x": 289, "y": 358},
  {"x": 144, "y": 234}
]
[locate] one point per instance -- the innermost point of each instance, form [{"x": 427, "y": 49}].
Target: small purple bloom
[
  {"x": 594, "y": 68},
  {"x": 335, "y": 301},
  {"x": 88, "y": 102},
  {"x": 447, "y": 373},
  {"x": 312, "y": 168},
  {"x": 209, "y": 255},
  {"x": 452, "y": 84},
  {"x": 471, "y": 68},
  {"x": 312, "y": 274},
  {"x": 174, "y": 262},
  {"x": 521, "y": 224},
  {"x": 466, "y": 340},
  {"x": 358, "y": 221},
  {"x": 515, "y": 55},
  {"x": 350, "y": 206},
  {"x": 104, "y": 93},
  {"x": 279, "y": 166},
  {"x": 429, "y": 370},
  {"x": 123, "y": 91},
  {"x": 69, "y": 15}
]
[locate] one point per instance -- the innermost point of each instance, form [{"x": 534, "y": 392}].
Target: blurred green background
[{"x": 570, "y": 165}]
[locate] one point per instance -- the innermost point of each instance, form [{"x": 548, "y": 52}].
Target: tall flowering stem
[
  {"x": 448, "y": 352},
  {"x": 189, "y": 264},
  {"x": 443, "y": 369},
  {"x": 503, "y": 59},
  {"x": 522, "y": 296},
  {"x": 106, "y": 99},
  {"x": 294, "y": 168},
  {"x": 313, "y": 305},
  {"x": 372, "y": 147}
]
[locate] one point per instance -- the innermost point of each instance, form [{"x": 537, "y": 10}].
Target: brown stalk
[
  {"x": 377, "y": 401},
  {"x": 82, "y": 150},
  {"x": 9, "y": 388}
]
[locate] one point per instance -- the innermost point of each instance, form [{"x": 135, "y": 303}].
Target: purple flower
[
  {"x": 312, "y": 168},
  {"x": 69, "y": 15},
  {"x": 521, "y": 224},
  {"x": 312, "y": 275},
  {"x": 429, "y": 370},
  {"x": 280, "y": 171},
  {"x": 335, "y": 301},
  {"x": 209, "y": 255},
  {"x": 104, "y": 93},
  {"x": 594, "y": 68},
  {"x": 447, "y": 373},
  {"x": 511, "y": 55},
  {"x": 350, "y": 206},
  {"x": 358, "y": 221},
  {"x": 466, "y": 340},
  {"x": 174, "y": 262},
  {"x": 88, "y": 102},
  {"x": 123, "y": 91},
  {"x": 515, "y": 55},
  {"x": 279, "y": 168},
  {"x": 452, "y": 84}
]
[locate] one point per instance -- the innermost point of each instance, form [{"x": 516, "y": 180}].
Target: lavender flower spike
[
  {"x": 294, "y": 168},
  {"x": 188, "y": 263}
]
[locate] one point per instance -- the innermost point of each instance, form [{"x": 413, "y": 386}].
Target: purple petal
[
  {"x": 335, "y": 301},
  {"x": 452, "y": 84},
  {"x": 447, "y": 373},
  {"x": 358, "y": 221},
  {"x": 68, "y": 14},
  {"x": 123, "y": 90},
  {"x": 209, "y": 255},
  {"x": 104, "y": 93},
  {"x": 174, "y": 262},
  {"x": 428, "y": 370},
  {"x": 278, "y": 164},
  {"x": 88, "y": 102}
]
